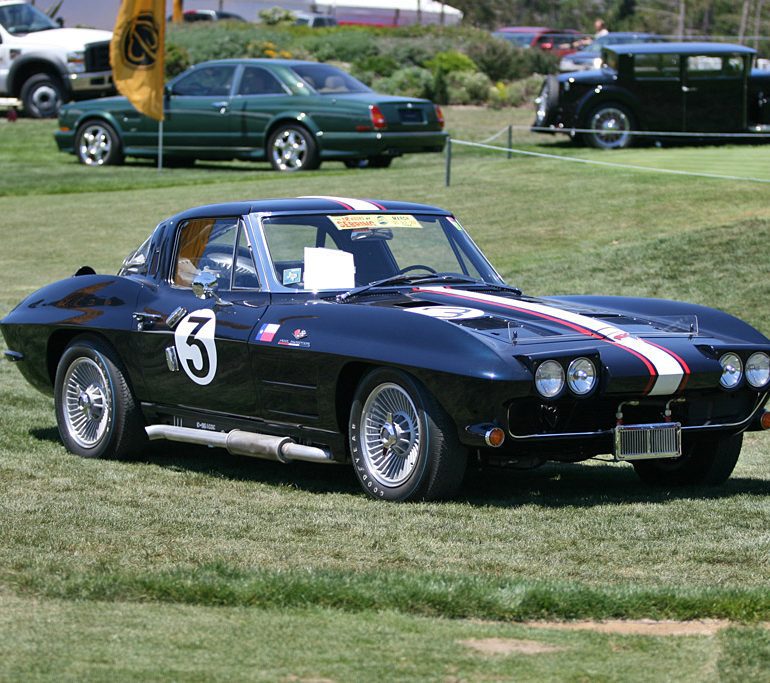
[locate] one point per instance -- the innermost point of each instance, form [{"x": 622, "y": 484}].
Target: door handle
[
  {"x": 143, "y": 319},
  {"x": 686, "y": 89},
  {"x": 222, "y": 106}
]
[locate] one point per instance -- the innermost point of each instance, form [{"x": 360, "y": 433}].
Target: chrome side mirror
[{"x": 204, "y": 284}]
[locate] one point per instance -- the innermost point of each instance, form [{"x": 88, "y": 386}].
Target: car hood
[
  {"x": 65, "y": 38},
  {"x": 592, "y": 77}
]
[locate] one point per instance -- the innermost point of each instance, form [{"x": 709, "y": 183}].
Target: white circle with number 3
[{"x": 195, "y": 345}]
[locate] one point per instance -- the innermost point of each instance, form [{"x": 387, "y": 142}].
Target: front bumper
[
  {"x": 65, "y": 140},
  {"x": 90, "y": 83}
]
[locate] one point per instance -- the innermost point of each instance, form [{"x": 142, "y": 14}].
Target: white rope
[
  {"x": 611, "y": 164},
  {"x": 651, "y": 133},
  {"x": 496, "y": 135}
]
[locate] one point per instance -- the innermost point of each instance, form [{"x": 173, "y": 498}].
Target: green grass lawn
[{"x": 192, "y": 564}]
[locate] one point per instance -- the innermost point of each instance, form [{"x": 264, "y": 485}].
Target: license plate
[
  {"x": 648, "y": 441},
  {"x": 411, "y": 116}
]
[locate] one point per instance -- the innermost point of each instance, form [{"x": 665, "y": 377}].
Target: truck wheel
[
  {"x": 42, "y": 96},
  {"x": 610, "y": 124},
  {"x": 97, "y": 144},
  {"x": 96, "y": 412},
  {"x": 706, "y": 463},
  {"x": 403, "y": 444},
  {"x": 292, "y": 148}
]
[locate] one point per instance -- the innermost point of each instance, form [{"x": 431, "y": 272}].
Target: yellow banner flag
[{"x": 136, "y": 54}]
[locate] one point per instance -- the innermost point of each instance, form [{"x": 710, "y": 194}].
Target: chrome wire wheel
[
  {"x": 289, "y": 150},
  {"x": 611, "y": 126},
  {"x": 87, "y": 401},
  {"x": 95, "y": 146},
  {"x": 392, "y": 435}
]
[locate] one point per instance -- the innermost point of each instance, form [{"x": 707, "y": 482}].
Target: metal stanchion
[
  {"x": 510, "y": 140},
  {"x": 448, "y": 173}
]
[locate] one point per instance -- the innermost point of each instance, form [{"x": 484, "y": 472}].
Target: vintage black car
[
  {"x": 341, "y": 330},
  {"x": 658, "y": 88}
]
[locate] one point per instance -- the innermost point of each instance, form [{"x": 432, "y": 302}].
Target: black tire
[
  {"x": 424, "y": 459},
  {"x": 97, "y": 144},
  {"x": 612, "y": 123},
  {"x": 708, "y": 462},
  {"x": 96, "y": 411},
  {"x": 380, "y": 162},
  {"x": 291, "y": 148},
  {"x": 42, "y": 96}
]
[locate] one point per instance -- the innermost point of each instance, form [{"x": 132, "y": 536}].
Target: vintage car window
[
  {"x": 259, "y": 81},
  {"x": 245, "y": 272},
  {"x": 714, "y": 66},
  {"x": 657, "y": 67},
  {"x": 326, "y": 79},
  {"x": 209, "y": 81},
  {"x": 381, "y": 245},
  {"x": 205, "y": 244}
]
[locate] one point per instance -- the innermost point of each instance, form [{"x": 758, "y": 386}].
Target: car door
[
  {"x": 193, "y": 351},
  {"x": 198, "y": 109},
  {"x": 658, "y": 87},
  {"x": 714, "y": 90},
  {"x": 258, "y": 97}
]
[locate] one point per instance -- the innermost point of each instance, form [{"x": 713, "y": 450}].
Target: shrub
[
  {"x": 450, "y": 61},
  {"x": 501, "y": 61},
  {"x": 468, "y": 87},
  {"x": 343, "y": 45},
  {"x": 177, "y": 59},
  {"x": 516, "y": 93},
  {"x": 374, "y": 66},
  {"x": 413, "y": 81},
  {"x": 276, "y": 16}
]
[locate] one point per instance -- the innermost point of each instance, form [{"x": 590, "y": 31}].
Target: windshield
[
  {"x": 18, "y": 19},
  {"x": 327, "y": 79},
  {"x": 334, "y": 252}
]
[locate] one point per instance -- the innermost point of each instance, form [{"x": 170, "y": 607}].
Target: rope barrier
[
  {"x": 593, "y": 162},
  {"x": 651, "y": 133}
]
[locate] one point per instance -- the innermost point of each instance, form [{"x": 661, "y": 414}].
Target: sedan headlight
[
  {"x": 549, "y": 378},
  {"x": 597, "y": 63},
  {"x": 581, "y": 376},
  {"x": 758, "y": 370},
  {"x": 732, "y": 370}
]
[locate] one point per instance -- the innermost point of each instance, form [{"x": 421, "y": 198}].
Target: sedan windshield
[
  {"x": 341, "y": 252},
  {"x": 20, "y": 19},
  {"x": 328, "y": 80}
]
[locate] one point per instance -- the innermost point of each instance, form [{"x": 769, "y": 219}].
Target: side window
[
  {"x": 713, "y": 66},
  {"x": 656, "y": 67},
  {"x": 210, "y": 81},
  {"x": 244, "y": 273},
  {"x": 257, "y": 81},
  {"x": 205, "y": 244}
]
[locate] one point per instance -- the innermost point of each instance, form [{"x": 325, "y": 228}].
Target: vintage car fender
[{"x": 607, "y": 93}]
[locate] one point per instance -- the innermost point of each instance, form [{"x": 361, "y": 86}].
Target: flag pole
[{"x": 160, "y": 144}]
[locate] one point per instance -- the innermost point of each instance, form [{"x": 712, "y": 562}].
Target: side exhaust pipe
[{"x": 238, "y": 442}]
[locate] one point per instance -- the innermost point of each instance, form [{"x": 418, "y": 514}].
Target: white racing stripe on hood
[
  {"x": 668, "y": 369},
  {"x": 355, "y": 204}
]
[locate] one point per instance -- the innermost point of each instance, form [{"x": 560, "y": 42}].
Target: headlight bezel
[
  {"x": 734, "y": 380},
  {"x": 747, "y": 370}
]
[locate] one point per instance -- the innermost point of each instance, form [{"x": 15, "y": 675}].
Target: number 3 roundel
[{"x": 195, "y": 346}]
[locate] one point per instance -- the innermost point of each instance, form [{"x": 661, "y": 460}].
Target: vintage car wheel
[
  {"x": 96, "y": 411},
  {"x": 292, "y": 148},
  {"x": 404, "y": 446},
  {"x": 97, "y": 144},
  {"x": 42, "y": 96},
  {"x": 708, "y": 462},
  {"x": 612, "y": 123}
]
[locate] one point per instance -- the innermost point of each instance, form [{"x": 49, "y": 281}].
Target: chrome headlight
[
  {"x": 76, "y": 62},
  {"x": 758, "y": 370},
  {"x": 581, "y": 376},
  {"x": 549, "y": 378},
  {"x": 732, "y": 370}
]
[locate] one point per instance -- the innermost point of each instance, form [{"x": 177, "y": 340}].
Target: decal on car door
[{"x": 195, "y": 345}]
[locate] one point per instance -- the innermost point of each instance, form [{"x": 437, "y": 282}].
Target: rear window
[
  {"x": 714, "y": 66},
  {"x": 326, "y": 79}
]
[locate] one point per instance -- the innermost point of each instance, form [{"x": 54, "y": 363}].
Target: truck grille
[
  {"x": 642, "y": 442},
  {"x": 98, "y": 57}
]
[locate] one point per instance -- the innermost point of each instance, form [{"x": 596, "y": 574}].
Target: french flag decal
[{"x": 267, "y": 332}]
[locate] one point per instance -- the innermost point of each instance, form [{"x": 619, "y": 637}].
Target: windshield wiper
[{"x": 398, "y": 279}]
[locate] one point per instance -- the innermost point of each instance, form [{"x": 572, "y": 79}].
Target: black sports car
[{"x": 376, "y": 333}]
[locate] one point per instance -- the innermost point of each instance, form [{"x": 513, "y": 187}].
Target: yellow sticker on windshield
[{"x": 370, "y": 221}]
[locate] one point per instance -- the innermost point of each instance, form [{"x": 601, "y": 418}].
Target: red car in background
[{"x": 558, "y": 41}]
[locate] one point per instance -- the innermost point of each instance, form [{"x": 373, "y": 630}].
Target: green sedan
[{"x": 291, "y": 113}]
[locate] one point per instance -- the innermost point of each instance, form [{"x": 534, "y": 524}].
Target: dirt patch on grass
[
  {"x": 508, "y": 646},
  {"x": 639, "y": 627}
]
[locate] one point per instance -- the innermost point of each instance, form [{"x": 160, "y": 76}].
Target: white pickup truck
[{"x": 43, "y": 65}]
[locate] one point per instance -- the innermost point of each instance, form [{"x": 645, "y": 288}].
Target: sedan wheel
[
  {"x": 97, "y": 144},
  {"x": 404, "y": 445},
  {"x": 611, "y": 124},
  {"x": 95, "y": 408},
  {"x": 292, "y": 148}
]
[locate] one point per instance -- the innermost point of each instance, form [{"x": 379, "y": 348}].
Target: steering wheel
[{"x": 417, "y": 266}]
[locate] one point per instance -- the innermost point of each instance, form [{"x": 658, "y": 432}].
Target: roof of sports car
[{"x": 309, "y": 204}]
